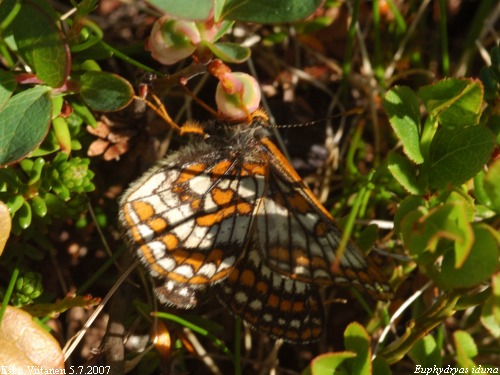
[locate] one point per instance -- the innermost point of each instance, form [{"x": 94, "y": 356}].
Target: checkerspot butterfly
[{"x": 228, "y": 212}]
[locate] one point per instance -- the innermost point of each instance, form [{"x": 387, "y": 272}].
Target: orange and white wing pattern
[
  {"x": 298, "y": 237},
  {"x": 190, "y": 217},
  {"x": 280, "y": 307}
]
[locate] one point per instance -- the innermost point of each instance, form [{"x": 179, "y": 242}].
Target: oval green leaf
[
  {"x": 330, "y": 363},
  {"x": 229, "y": 52},
  {"x": 404, "y": 172},
  {"x": 457, "y": 155},
  {"x": 105, "y": 92},
  {"x": 42, "y": 44},
  {"x": 492, "y": 184},
  {"x": 269, "y": 11},
  {"x": 24, "y": 122},
  {"x": 477, "y": 268},
  {"x": 195, "y": 10},
  {"x": 356, "y": 340},
  {"x": 456, "y": 103},
  {"x": 402, "y": 107}
]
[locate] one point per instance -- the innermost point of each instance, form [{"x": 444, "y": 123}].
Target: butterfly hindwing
[{"x": 275, "y": 305}]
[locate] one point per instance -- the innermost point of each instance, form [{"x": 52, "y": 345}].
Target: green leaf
[
  {"x": 42, "y": 44},
  {"x": 426, "y": 353},
  {"x": 422, "y": 232},
  {"x": 495, "y": 282},
  {"x": 401, "y": 105},
  {"x": 269, "y": 11},
  {"x": 458, "y": 155},
  {"x": 61, "y": 131},
  {"x": 7, "y": 86},
  {"x": 83, "y": 111},
  {"x": 456, "y": 103},
  {"x": 356, "y": 340},
  {"x": 24, "y": 215},
  {"x": 229, "y": 52},
  {"x": 24, "y": 122},
  {"x": 477, "y": 268},
  {"x": 466, "y": 348},
  {"x": 488, "y": 319},
  {"x": 195, "y": 10},
  {"x": 105, "y": 92},
  {"x": 327, "y": 364},
  {"x": 407, "y": 205},
  {"x": 491, "y": 184},
  {"x": 404, "y": 172}
]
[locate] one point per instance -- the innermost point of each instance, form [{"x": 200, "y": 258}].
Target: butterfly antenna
[{"x": 351, "y": 112}]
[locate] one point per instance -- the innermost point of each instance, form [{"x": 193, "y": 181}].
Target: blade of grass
[
  {"x": 444, "y": 38},
  {"x": 10, "y": 288}
]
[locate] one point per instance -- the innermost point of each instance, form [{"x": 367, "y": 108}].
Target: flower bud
[
  {"x": 237, "y": 95},
  {"x": 172, "y": 40}
]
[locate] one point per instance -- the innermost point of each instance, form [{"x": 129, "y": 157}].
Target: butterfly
[{"x": 228, "y": 213}]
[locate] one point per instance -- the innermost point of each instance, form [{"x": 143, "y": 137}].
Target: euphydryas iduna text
[{"x": 228, "y": 212}]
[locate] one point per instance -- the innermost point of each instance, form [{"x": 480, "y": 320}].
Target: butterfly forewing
[
  {"x": 299, "y": 238},
  {"x": 191, "y": 216}
]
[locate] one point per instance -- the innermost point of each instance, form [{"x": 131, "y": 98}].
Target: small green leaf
[
  {"x": 195, "y": 10},
  {"x": 404, "y": 172},
  {"x": 426, "y": 353},
  {"x": 61, "y": 130},
  {"x": 229, "y": 52},
  {"x": 24, "y": 122},
  {"x": 356, "y": 340},
  {"x": 269, "y": 11},
  {"x": 42, "y": 44},
  {"x": 466, "y": 348},
  {"x": 488, "y": 319},
  {"x": 478, "y": 267},
  {"x": 458, "y": 155},
  {"x": 401, "y": 105},
  {"x": 491, "y": 184},
  {"x": 36, "y": 170},
  {"x": 83, "y": 112},
  {"x": 422, "y": 233},
  {"x": 407, "y": 205},
  {"x": 15, "y": 203},
  {"x": 38, "y": 205},
  {"x": 456, "y": 103},
  {"x": 329, "y": 363},
  {"x": 24, "y": 215},
  {"x": 105, "y": 92},
  {"x": 495, "y": 282},
  {"x": 7, "y": 86}
]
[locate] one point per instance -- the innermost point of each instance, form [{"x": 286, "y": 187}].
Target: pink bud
[
  {"x": 172, "y": 40},
  {"x": 237, "y": 95}
]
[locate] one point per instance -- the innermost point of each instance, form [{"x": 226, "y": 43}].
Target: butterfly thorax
[{"x": 222, "y": 134}]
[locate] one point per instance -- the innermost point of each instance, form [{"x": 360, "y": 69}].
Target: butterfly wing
[
  {"x": 281, "y": 307},
  {"x": 190, "y": 216},
  {"x": 299, "y": 238}
]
